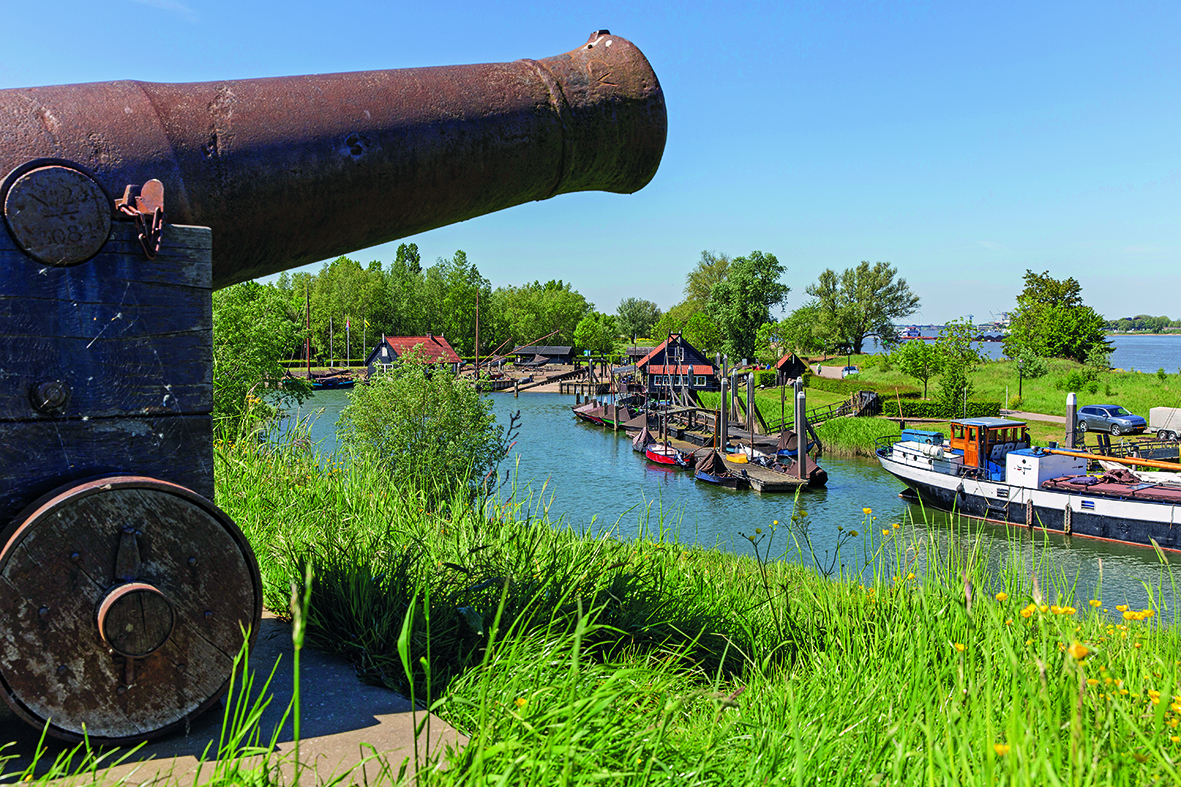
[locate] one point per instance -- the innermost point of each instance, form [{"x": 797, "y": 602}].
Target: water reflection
[{"x": 589, "y": 478}]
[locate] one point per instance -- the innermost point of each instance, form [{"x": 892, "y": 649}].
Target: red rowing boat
[{"x": 664, "y": 455}]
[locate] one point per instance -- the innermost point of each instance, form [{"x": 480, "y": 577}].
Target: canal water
[{"x": 590, "y": 479}]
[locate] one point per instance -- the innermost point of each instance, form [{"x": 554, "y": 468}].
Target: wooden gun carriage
[{"x": 124, "y": 591}]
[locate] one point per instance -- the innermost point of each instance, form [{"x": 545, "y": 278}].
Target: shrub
[
  {"x": 917, "y": 408},
  {"x": 766, "y": 378},
  {"x": 1161, "y": 374},
  {"x": 853, "y": 385},
  {"x": 426, "y": 425}
]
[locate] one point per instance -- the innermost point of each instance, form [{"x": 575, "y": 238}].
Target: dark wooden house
[
  {"x": 540, "y": 355},
  {"x": 676, "y": 363},
  {"x": 790, "y": 367},
  {"x": 434, "y": 349}
]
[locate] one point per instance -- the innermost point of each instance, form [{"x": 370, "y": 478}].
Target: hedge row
[
  {"x": 912, "y": 408},
  {"x": 853, "y": 385}
]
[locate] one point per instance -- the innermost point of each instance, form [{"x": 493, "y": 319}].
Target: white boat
[{"x": 987, "y": 469}]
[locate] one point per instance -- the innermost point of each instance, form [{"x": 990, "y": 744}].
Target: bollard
[{"x": 1072, "y": 421}]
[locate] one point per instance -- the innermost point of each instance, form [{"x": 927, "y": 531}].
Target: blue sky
[{"x": 962, "y": 142}]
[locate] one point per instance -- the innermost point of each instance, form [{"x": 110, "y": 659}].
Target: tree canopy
[
  {"x": 742, "y": 301},
  {"x": 919, "y": 360},
  {"x": 595, "y": 332},
  {"x": 1052, "y": 321},
  {"x": 710, "y": 269},
  {"x": 252, "y": 333},
  {"x": 636, "y": 316},
  {"x": 861, "y": 302}
]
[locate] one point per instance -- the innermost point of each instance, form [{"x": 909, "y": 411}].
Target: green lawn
[
  {"x": 769, "y": 402},
  {"x": 575, "y": 658},
  {"x": 1136, "y": 391}
]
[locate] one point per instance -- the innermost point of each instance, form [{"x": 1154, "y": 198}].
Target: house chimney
[{"x": 430, "y": 336}]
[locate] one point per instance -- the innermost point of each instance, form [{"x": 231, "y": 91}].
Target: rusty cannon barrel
[
  {"x": 291, "y": 170},
  {"x": 124, "y": 591}
]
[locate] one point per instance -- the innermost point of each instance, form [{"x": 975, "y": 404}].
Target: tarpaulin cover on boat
[
  {"x": 643, "y": 438},
  {"x": 713, "y": 464}
]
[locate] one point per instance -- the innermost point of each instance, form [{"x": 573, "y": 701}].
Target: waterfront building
[
  {"x": 676, "y": 364},
  {"x": 434, "y": 349}
]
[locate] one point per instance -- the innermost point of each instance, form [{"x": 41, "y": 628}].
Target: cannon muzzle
[{"x": 291, "y": 170}]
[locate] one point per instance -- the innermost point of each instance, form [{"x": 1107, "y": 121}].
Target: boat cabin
[{"x": 987, "y": 440}]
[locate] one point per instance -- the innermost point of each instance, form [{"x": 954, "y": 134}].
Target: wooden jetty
[{"x": 768, "y": 481}]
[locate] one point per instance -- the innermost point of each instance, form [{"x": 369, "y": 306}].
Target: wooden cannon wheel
[{"x": 122, "y": 606}]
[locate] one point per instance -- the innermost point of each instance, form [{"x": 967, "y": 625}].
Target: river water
[
  {"x": 589, "y": 478},
  {"x": 1133, "y": 352}
]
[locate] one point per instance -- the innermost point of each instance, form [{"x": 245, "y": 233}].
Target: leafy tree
[
  {"x": 802, "y": 331},
  {"x": 595, "y": 332},
  {"x": 426, "y": 425},
  {"x": 675, "y": 319},
  {"x": 453, "y": 288},
  {"x": 703, "y": 333},
  {"x": 252, "y": 334},
  {"x": 919, "y": 360},
  {"x": 958, "y": 359},
  {"x": 533, "y": 310},
  {"x": 1051, "y": 320},
  {"x": 742, "y": 301},
  {"x": 861, "y": 302},
  {"x": 636, "y": 316},
  {"x": 710, "y": 269},
  {"x": 1032, "y": 365}
]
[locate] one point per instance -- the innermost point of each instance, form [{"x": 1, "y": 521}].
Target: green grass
[
  {"x": 1136, "y": 391},
  {"x": 768, "y": 400},
  {"x": 580, "y": 658}
]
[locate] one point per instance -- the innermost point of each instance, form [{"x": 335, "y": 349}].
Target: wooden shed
[
  {"x": 790, "y": 367},
  {"x": 434, "y": 349},
  {"x": 539, "y": 355}
]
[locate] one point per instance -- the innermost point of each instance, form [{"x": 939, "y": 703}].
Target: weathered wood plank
[
  {"x": 39, "y": 456},
  {"x": 125, "y": 334}
]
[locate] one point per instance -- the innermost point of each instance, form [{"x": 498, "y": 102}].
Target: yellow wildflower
[
  {"x": 1095, "y": 602},
  {"x": 885, "y": 532},
  {"x": 1002, "y": 596},
  {"x": 960, "y": 648},
  {"x": 1001, "y": 749},
  {"x": 522, "y": 702},
  {"x": 1175, "y": 738},
  {"x": 1078, "y": 651},
  {"x": 896, "y": 526},
  {"x": 867, "y": 510},
  {"x": 1121, "y": 607},
  {"x": 910, "y": 575},
  {"x": 1092, "y": 682}
]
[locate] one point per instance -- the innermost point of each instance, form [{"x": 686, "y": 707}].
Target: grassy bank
[
  {"x": 579, "y": 658},
  {"x": 1136, "y": 391}
]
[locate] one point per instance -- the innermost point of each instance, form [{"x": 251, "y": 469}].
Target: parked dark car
[{"x": 1109, "y": 418}]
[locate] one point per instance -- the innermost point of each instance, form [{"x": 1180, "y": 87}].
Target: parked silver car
[{"x": 1109, "y": 418}]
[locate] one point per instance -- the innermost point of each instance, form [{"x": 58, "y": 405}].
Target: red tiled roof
[
  {"x": 648, "y": 357},
  {"x": 700, "y": 368},
  {"x": 432, "y": 348}
]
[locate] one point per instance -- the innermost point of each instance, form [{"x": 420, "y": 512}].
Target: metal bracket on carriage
[
  {"x": 135, "y": 619},
  {"x": 145, "y": 204}
]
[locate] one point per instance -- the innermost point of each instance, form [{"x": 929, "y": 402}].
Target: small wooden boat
[
  {"x": 582, "y": 411},
  {"x": 642, "y": 440},
  {"x": 664, "y": 455},
  {"x": 332, "y": 381},
  {"x": 712, "y": 469},
  {"x": 789, "y": 444}
]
